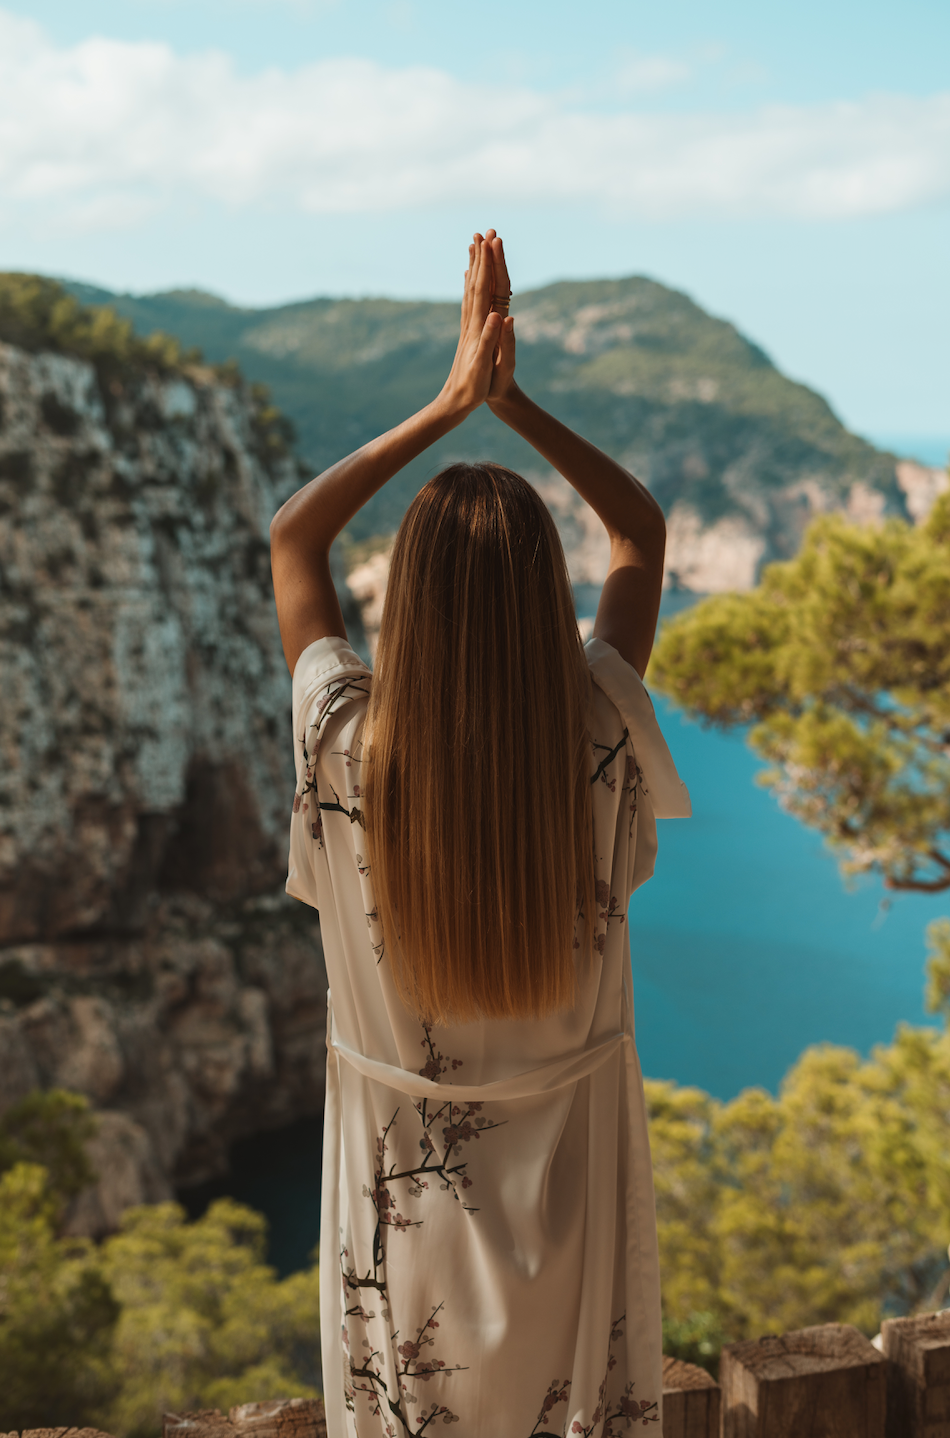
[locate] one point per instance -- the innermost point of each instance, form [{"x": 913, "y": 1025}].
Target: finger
[
  {"x": 483, "y": 281},
  {"x": 475, "y": 268},
  {"x": 489, "y": 241},
  {"x": 475, "y": 265},
  {"x": 471, "y": 292},
  {"x": 506, "y": 342},
  {"x": 467, "y": 287},
  {"x": 488, "y": 339},
  {"x": 502, "y": 282}
]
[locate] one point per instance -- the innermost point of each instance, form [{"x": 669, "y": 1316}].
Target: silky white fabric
[{"x": 488, "y": 1238}]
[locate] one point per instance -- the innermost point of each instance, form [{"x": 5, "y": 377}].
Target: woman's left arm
[{"x": 303, "y": 529}]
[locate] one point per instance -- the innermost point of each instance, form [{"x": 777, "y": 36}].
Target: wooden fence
[{"x": 824, "y": 1382}]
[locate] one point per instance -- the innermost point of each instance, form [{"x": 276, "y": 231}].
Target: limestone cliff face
[{"x": 148, "y": 957}]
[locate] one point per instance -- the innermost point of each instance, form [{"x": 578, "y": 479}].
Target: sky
[{"x": 786, "y": 166}]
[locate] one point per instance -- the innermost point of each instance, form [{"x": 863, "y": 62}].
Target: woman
[{"x": 470, "y": 822}]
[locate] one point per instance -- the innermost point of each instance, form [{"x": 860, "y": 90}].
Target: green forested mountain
[{"x": 683, "y": 399}]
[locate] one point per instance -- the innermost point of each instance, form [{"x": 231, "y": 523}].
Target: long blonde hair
[{"x": 477, "y": 792}]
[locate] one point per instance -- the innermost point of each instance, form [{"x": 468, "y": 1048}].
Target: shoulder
[
  {"x": 328, "y": 677},
  {"x": 619, "y": 690}
]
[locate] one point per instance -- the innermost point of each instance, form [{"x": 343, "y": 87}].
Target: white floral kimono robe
[{"x": 488, "y": 1239}]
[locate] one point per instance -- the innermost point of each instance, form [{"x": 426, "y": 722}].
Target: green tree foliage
[
  {"x": 38, "y": 314},
  {"x": 204, "y": 1322},
  {"x": 938, "y": 969},
  {"x": 57, "y": 1313},
  {"x": 50, "y": 1128},
  {"x": 840, "y": 660},
  {"x": 828, "y": 1203},
  {"x": 163, "y": 1315}
]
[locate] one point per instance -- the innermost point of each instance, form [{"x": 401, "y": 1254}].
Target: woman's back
[{"x": 496, "y": 1245}]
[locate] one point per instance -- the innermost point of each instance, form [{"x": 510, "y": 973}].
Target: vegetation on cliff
[{"x": 38, "y": 314}]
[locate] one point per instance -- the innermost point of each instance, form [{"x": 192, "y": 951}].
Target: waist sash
[{"x": 557, "y": 1073}]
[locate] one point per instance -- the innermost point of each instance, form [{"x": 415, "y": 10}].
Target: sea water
[{"x": 747, "y": 946}]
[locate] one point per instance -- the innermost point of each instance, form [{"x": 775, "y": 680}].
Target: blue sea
[
  {"x": 747, "y": 946},
  {"x": 931, "y": 449}
]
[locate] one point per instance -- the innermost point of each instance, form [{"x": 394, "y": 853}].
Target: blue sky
[{"x": 787, "y": 166}]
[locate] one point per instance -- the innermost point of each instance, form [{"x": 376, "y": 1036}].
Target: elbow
[{"x": 280, "y": 527}]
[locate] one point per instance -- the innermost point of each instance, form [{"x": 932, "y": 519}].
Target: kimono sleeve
[
  {"x": 658, "y": 790},
  {"x": 329, "y": 678}
]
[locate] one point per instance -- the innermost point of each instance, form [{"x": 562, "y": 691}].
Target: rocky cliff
[{"x": 148, "y": 956}]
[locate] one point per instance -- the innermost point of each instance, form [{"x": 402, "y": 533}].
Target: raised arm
[
  {"x": 303, "y": 529},
  {"x": 630, "y": 601}
]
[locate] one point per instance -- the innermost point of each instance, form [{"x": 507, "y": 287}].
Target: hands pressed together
[{"x": 484, "y": 365}]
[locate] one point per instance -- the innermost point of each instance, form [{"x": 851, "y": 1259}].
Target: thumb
[
  {"x": 506, "y": 341},
  {"x": 491, "y": 333}
]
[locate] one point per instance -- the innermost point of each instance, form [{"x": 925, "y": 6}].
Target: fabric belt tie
[{"x": 557, "y": 1073}]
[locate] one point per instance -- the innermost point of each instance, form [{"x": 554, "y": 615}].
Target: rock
[
  {"x": 58, "y": 1433},
  {"x": 274, "y": 1418},
  {"x": 367, "y": 584},
  {"x": 123, "y": 1157},
  {"x": 148, "y": 956},
  {"x": 922, "y": 486},
  {"x": 708, "y": 560}
]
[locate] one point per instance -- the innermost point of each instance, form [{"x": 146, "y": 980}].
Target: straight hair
[{"x": 477, "y": 784}]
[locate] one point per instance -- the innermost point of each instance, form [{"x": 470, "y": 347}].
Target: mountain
[{"x": 739, "y": 456}]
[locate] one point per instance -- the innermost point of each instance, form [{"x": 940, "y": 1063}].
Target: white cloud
[{"x": 99, "y": 134}]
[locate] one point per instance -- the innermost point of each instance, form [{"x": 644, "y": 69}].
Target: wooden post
[
  {"x": 691, "y": 1401},
  {"x": 918, "y": 1379},
  {"x": 824, "y": 1382},
  {"x": 278, "y": 1418}
]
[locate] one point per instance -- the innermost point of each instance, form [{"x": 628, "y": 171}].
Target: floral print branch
[
  {"x": 446, "y": 1127},
  {"x": 339, "y": 693},
  {"x": 557, "y": 1393},
  {"x": 625, "y": 1409},
  {"x": 364, "y": 1374},
  {"x": 460, "y": 1122}
]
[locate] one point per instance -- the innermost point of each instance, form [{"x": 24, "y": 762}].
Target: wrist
[
  {"x": 450, "y": 409},
  {"x": 507, "y": 403}
]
